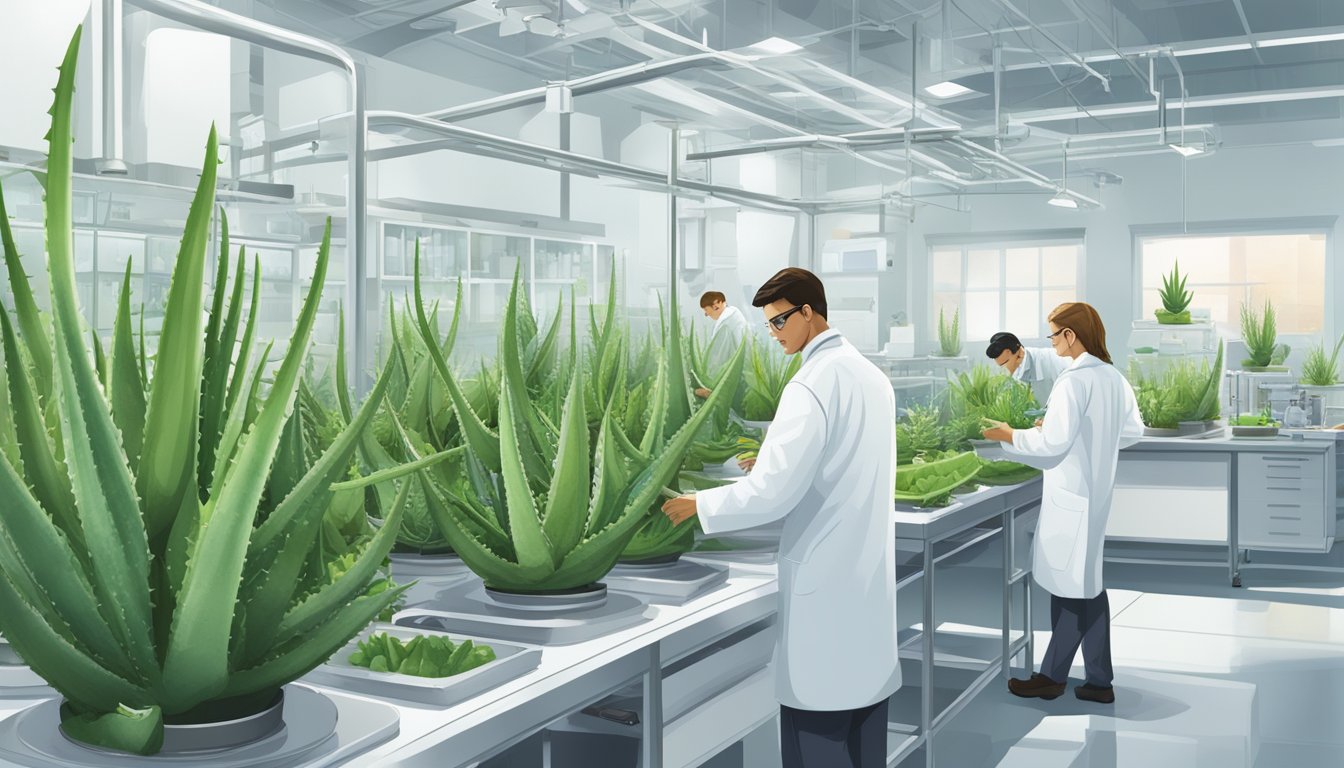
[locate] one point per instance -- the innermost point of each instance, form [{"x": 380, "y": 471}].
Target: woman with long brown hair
[{"x": 1090, "y": 416}]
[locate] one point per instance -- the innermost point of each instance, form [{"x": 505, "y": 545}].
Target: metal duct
[
  {"x": 210, "y": 19},
  {"x": 111, "y": 163}
]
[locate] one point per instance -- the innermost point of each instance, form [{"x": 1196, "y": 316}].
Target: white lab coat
[
  {"x": 1092, "y": 414},
  {"x": 729, "y": 330},
  {"x": 1040, "y": 367},
  {"x": 828, "y": 467}
]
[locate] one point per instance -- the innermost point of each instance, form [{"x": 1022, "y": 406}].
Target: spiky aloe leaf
[
  {"x": 535, "y": 558},
  {"x": 483, "y": 442},
  {"x": 544, "y": 358},
  {"x": 45, "y": 473},
  {"x": 535, "y": 450},
  {"x": 218, "y": 362},
  {"x": 45, "y": 572},
  {"x": 103, "y": 488},
  {"x": 303, "y": 654},
  {"x": 127, "y": 389},
  {"x": 169, "y": 460},
  {"x": 567, "y": 501},
  {"x": 658, "y": 410},
  {"x": 198, "y": 649},
  {"x": 25, "y": 306},
  {"x": 313, "y": 610},
  {"x": 70, "y": 671},
  {"x": 240, "y": 368}
]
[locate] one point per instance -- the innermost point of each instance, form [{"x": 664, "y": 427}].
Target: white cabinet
[{"x": 1284, "y": 501}]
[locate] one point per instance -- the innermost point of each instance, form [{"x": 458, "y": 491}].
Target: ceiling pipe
[
  {"x": 849, "y": 141},
  {"x": 112, "y": 162},
  {"x": 211, "y": 19},
  {"x": 602, "y": 81},
  {"x": 1027, "y": 174},
  {"x": 1073, "y": 57},
  {"x": 1195, "y": 102},
  {"x": 1105, "y": 38}
]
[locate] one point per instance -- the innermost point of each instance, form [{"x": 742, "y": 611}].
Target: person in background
[
  {"x": 730, "y": 328},
  {"x": 1038, "y": 366},
  {"x": 827, "y": 467},
  {"x": 1092, "y": 414}
]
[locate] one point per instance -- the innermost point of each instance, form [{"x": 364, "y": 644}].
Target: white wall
[
  {"x": 1249, "y": 186},
  {"x": 32, "y": 44}
]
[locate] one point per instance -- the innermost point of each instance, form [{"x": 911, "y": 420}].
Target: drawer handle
[
  {"x": 1285, "y": 533},
  {"x": 1298, "y": 459},
  {"x": 1284, "y": 506},
  {"x": 1284, "y": 517}
]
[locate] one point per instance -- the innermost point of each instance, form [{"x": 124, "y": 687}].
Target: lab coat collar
[
  {"x": 822, "y": 339},
  {"x": 723, "y": 317},
  {"x": 1086, "y": 360}
]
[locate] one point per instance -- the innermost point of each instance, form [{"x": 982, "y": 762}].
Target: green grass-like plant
[
  {"x": 156, "y": 546},
  {"x": 1175, "y": 299},
  {"x": 1184, "y": 391},
  {"x": 949, "y": 334},
  {"x": 1259, "y": 332},
  {"x": 769, "y": 370},
  {"x": 1318, "y": 370}
]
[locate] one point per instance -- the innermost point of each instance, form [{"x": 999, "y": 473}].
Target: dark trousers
[
  {"x": 851, "y": 738},
  {"x": 1075, "y": 622}
]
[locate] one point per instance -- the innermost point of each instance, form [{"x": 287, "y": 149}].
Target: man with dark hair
[
  {"x": 828, "y": 468},
  {"x": 730, "y": 328},
  {"x": 1039, "y": 367}
]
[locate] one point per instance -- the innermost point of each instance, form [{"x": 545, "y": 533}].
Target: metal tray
[
  {"x": 1249, "y": 431},
  {"x": 511, "y": 662}
]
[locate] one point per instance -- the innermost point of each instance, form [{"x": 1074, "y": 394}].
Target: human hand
[
  {"x": 702, "y": 393},
  {"x": 1039, "y": 422},
  {"x": 746, "y": 464},
  {"x": 680, "y": 509},
  {"x": 997, "y": 430}
]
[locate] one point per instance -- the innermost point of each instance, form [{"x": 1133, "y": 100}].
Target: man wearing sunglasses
[{"x": 827, "y": 468}]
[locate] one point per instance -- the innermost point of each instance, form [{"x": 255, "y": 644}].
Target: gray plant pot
[
  {"x": 1187, "y": 428},
  {"x": 592, "y": 596},
  {"x": 1160, "y": 432}
]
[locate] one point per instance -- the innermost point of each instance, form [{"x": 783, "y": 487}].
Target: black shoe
[
  {"x": 1089, "y": 692},
  {"x": 1038, "y": 687}
]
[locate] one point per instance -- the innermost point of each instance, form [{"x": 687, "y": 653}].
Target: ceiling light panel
[{"x": 947, "y": 90}]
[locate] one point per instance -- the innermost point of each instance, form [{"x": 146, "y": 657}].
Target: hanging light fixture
[{"x": 1062, "y": 199}]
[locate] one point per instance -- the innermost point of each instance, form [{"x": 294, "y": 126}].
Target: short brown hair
[
  {"x": 711, "y": 297},
  {"x": 1086, "y": 324},
  {"x": 796, "y": 286}
]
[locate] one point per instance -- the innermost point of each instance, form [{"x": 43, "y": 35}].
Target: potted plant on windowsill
[
  {"x": 949, "y": 334},
  {"x": 1259, "y": 333},
  {"x": 1175, "y": 308},
  {"x": 1320, "y": 374}
]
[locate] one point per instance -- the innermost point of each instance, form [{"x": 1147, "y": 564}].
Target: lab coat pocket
[
  {"x": 1061, "y": 523},
  {"x": 808, "y": 573}
]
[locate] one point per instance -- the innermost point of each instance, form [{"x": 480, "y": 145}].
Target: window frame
[
  {"x": 1323, "y": 226},
  {"x": 1002, "y": 244}
]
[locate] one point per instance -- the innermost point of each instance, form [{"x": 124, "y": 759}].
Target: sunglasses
[{"x": 779, "y": 320}]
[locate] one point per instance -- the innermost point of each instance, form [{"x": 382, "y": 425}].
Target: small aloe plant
[
  {"x": 1175, "y": 308},
  {"x": 156, "y": 546},
  {"x": 1320, "y": 370},
  {"x": 949, "y": 334}
]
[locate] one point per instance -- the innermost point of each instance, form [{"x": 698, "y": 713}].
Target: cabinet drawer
[
  {"x": 1282, "y": 524},
  {"x": 1280, "y": 473}
]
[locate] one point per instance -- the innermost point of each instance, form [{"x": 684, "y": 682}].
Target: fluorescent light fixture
[
  {"x": 1061, "y": 200},
  {"x": 1328, "y": 143},
  {"x": 947, "y": 90},
  {"x": 1230, "y": 47},
  {"x": 1303, "y": 40},
  {"x": 777, "y": 46},
  {"x": 1187, "y": 151}
]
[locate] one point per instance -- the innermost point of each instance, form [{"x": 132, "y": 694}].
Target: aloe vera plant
[
  {"x": 932, "y": 483},
  {"x": 1184, "y": 391},
  {"x": 153, "y": 570},
  {"x": 949, "y": 334},
  {"x": 546, "y": 510},
  {"x": 767, "y": 374},
  {"x": 1319, "y": 370},
  {"x": 1175, "y": 299}
]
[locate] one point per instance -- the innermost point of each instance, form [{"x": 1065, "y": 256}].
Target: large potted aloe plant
[
  {"x": 157, "y": 537},
  {"x": 547, "y": 510}
]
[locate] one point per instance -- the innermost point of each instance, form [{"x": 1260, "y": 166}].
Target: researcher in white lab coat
[
  {"x": 1037, "y": 366},
  {"x": 730, "y": 329},
  {"x": 828, "y": 468},
  {"x": 1090, "y": 416}
]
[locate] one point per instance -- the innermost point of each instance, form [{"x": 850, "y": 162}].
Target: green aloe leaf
[
  {"x": 103, "y": 488},
  {"x": 168, "y": 465},
  {"x": 218, "y": 362},
  {"x": 535, "y": 558},
  {"x": 567, "y": 502},
  {"x": 25, "y": 306},
  {"x": 240, "y": 368},
  {"x": 127, "y": 389},
  {"x": 135, "y": 731}
]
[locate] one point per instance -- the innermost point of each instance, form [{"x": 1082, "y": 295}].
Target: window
[
  {"x": 1225, "y": 271},
  {"x": 1003, "y": 288}
]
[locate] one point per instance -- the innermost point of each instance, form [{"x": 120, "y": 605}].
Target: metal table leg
[
  {"x": 1233, "y": 514},
  {"x": 1030, "y": 664},
  {"x": 651, "y": 724},
  {"x": 1008, "y": 571},
  {"x": 926, "y": 671}
]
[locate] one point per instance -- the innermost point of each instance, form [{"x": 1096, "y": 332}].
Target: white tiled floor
[{"x": 1206, "y": 675}]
